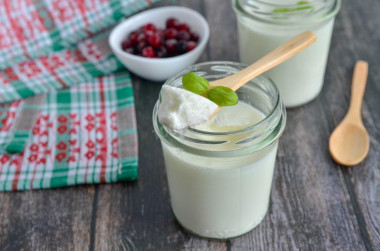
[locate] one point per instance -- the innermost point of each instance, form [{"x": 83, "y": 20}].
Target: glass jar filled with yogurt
[
  {"x": 220, "y": 172},
  {"x": 265, "y": 24}
]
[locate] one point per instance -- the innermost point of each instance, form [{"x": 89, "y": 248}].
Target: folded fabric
[
  {"x": 17, "y": 134},
  {"x": 91, "y": 58},
  {"x": 35, "y": 28},
  {"x": 83, "y": 134},
  {"x": 64, "y": 119}
]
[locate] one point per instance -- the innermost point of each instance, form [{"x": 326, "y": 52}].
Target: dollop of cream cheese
[{"x": 180, "y": 108}]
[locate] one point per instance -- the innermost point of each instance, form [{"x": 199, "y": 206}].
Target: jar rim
[
  {"x": 307, "y": 14},
  {"x": 276, "y": 115}
]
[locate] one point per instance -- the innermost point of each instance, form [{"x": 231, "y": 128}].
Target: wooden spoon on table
[
  {"x": 349, "y": 142},
  {"x": 270, "y": 60}
]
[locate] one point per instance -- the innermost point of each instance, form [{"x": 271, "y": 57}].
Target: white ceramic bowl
[{"x": 159, "y": 69}]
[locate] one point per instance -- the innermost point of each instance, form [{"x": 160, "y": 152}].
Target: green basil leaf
[
  {"x": 195, "y": 83},
  {"x": 222, "y": 96},
  {"x": 286, "y": 10}
]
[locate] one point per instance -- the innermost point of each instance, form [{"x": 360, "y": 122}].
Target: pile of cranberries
[{"x": 152, "y": 42}]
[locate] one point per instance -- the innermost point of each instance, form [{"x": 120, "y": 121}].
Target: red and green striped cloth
[
  {"x": 66, "y": 104},
  {"x": 82, "y": 135}
]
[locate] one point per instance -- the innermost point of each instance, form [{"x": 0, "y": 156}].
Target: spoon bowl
[
  {"x": 349, "y": 143},
  {"x": 354, "y": 148}
]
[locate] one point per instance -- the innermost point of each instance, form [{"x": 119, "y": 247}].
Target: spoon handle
[
  {"x": 273, "y": 58},
  {"x": 359, "y": 81}
]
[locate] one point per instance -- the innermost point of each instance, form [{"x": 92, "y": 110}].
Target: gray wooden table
[{"x": 315, "y": 203}]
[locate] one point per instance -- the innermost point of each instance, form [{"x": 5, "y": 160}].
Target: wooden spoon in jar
[
  {"x": 349, "y": 143},
  {"x": 270, "y": 60}
]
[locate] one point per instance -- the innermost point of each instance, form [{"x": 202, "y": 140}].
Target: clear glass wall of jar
[
  {"x": 220, "y": 182},
  {"x": 263, "y": 25}
]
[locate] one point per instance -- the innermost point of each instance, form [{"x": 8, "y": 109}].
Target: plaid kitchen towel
[
  {"x": 52, "y": 44},
  {"x": 33, "y": 28},
  {"x": 64, "y": 119},
  {"x": 83, "y": 134}
]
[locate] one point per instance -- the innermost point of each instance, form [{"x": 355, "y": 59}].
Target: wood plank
[
  {"x": 46, "y": 219},
  {"x": 360, "y": 28},
  {"x": 223, "y": 43}
]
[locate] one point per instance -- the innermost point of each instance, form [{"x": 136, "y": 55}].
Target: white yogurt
[
  {"x": 299, "y": 79},
  {"x": 221, "y": 197}
]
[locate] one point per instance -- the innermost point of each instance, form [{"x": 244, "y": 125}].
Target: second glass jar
[{"x": 263, "y": 25}]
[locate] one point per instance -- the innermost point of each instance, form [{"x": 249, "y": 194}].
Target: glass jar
[
  {"x": 220, "y": 182},
  {"x": 263, "y": 25}
]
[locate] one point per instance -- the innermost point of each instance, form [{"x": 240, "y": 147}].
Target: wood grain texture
[
  {"x": 56, "y": 219},
  {"x": 223, "y": 44},
  {"x": 315, "y": 203},
  {"x": 358, "y": 26}
]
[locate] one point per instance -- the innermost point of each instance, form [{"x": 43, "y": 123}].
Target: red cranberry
[
  {"x": 161, "y": 52},
  {"x": 141, "y": 37},
  {"x": 183, "y": 35},
  {"x": 150, "y": 41},
  {"x": 171, "y": 46},
  {"x": 154, "y": 40},
  {"x": 140, "y": 46},
  {"x": 160, "y": 33},
  {"x": 172, "y": 23},
  {"x": 182, "y": 47},
  {"x": 148, "y": 33},
  {"x": 191, "y": 45},
  {"x": 133, "y": 37},
  {"x": 171, "y": 33},
  {"x": 184, "y": 27},
  {"x": 126, "y": 44},
  {"x": 149, "y": 27},
  {"x": 194, "y": 37},
  {"x": 148, "y": 52}
]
